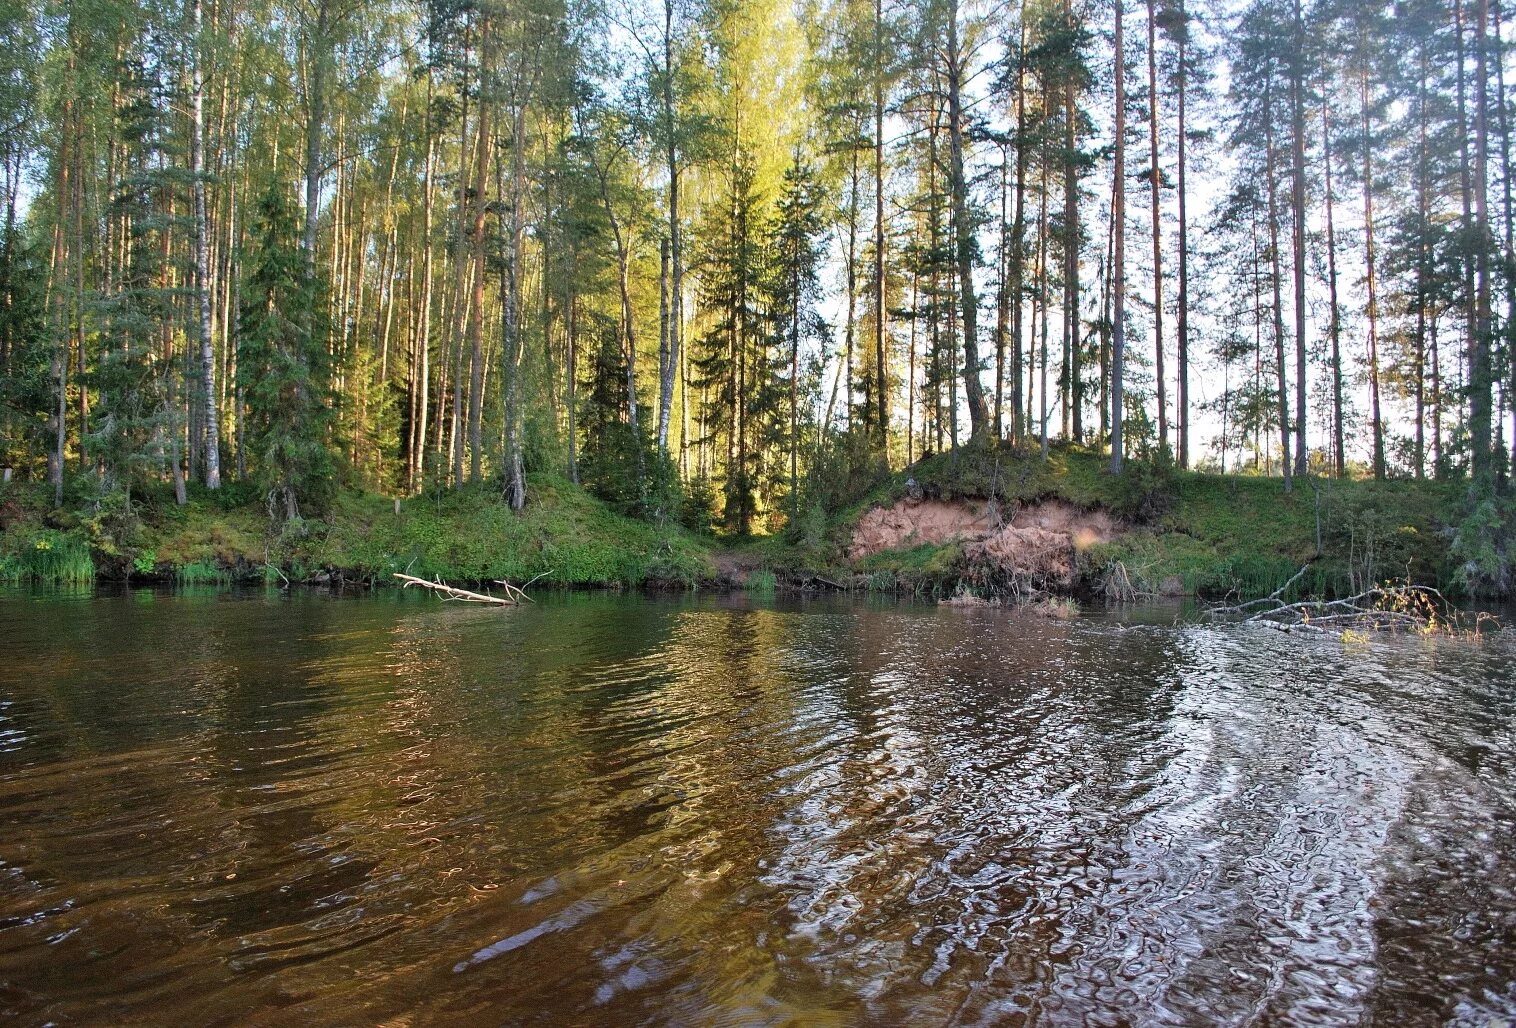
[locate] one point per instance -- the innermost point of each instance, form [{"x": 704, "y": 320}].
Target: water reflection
[{"x": 609, "y": 810}]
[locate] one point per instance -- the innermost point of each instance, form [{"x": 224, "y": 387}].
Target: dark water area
[{"x": 299, "y": 809}]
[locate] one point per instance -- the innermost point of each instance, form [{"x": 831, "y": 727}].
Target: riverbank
[
  {"x": 980, "y": 523},
  {"x": 1150, "y": 532},
  {"x": 564, "y": 537}
]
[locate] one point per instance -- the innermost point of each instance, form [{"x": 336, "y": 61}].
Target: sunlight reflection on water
[{"x": 616, "y": 809}]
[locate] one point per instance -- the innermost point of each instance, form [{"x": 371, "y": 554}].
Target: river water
[{"x": 276, "y": 809}]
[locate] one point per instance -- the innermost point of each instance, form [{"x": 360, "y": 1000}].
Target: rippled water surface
[{"x": 616, "y": 810}]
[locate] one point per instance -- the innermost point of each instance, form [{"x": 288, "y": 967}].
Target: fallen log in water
[
  {"x": 512, "y": 597},
  {"x": 1390, "y": 607}
]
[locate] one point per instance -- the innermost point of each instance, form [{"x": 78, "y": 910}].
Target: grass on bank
[
  {"x": 1191, "y": 532},
  {"x": 564, "y": 535},
  {"x": 46, "y": 557}
]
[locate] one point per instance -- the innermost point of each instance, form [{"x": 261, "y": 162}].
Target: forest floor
[{"x": 992, "y": 523}]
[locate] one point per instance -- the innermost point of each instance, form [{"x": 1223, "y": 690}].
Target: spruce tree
[{"x": 283, "y": 366}]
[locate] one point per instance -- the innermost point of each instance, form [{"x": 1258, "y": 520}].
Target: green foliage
[
  {"x": 1482, "y": 545},
  {"x": 47, "y": 557},
  {"x": 134, "y": 417},
  {"x": 698, "y": 513},
  {"x": 844, "y": 469},
  {"x": 201, "y": 572},
  {"x": 27, "y": 392},
  {"x": 284, "y": 370},
  {"x": 563, "y": 535},
  {"x": 1146, "y": 490},
  {"x": 761, "y": 581}
]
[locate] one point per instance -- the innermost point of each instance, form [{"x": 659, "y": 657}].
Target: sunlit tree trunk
[
  {"x": 1276, "y": 276},
  {"x": 1371, "y": 280},
  {"x": 202, "y": 256},
  {"x": 1339, "y": 454},
  {"x": 1018, "y": 238},
  {"x": 1182, "y": 410},
  {"x": 881, "y": 304},
  {"x": 973, "y": 389},
  {"x": 1155, "y": 178},
  {"x": 1297, "y": 206},
  {"x": 1118, "y": 258},
  {"x": 1071, "y": 230}
]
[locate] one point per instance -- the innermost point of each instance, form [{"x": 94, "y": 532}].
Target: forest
[{"x": 721, "y": 261}]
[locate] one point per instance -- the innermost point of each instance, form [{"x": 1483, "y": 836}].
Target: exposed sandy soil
[
  {"x": 1037, "y": 541},
  {"x": 915, "y": 522}
]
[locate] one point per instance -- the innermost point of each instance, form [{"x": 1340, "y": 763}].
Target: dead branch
[
  {"x": 1273, "y": 597},
  {"x": 454, "y": 593},
  {"x": 1388, "y": 607},
  {"x": 514, "y": 592}
]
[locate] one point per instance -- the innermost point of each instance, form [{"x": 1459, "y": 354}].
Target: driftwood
[
  {"x": 1390, "y": 607},
  {"x": 512, "y": 597},
  {"x": 1263, "y": 601}
]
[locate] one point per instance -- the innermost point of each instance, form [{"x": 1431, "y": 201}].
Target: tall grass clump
[
  {"x": 761, "y": 581},
  {"x": 50, "y": 558},
  {"x": 201, "y": 572}
]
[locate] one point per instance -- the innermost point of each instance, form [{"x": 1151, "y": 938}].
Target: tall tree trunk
[
  {"x": 666, "y": 372},
  {"x": 664, "y": 363},
  {"x": 1339, "y": 454},
  {"x": 1466, "y": 184},
  {"x": 1182, "y": 410},
  {"x": 1497, "y": 42},
  {"x": 459, "y": 305},
  {"x": 1118, "y": 258},
  {"x": 1155, "y": 177},
  {"x": 1297, "y": 205},
  {"x": 1018, "y": 236},
  {"x": 1372, "y": 280},
  {"x": 850, "y": 261},
  {"x": 202, "y": 261},
  {"x": 315, "y": 114},
  {"x": 881, "y": 306},
  {"x": 1002, "y": 300},
  {"x": 1422, "y": 259},
  {"x": 1276, "y": 277},
  {"x": 513, "y": 349},
  {"x": 1071, "y": 256},
  {"x": 58, "y": 304},
  {"x": 476, "y": 295},
  {"x": 973, "y": 389},
  {"x": 1480, "y": 373},
  {"x": 910, "y": 379},
  {"x": 572, "y": 384},
  {"x": 794, "y": 318},
  {"x": 1040, "y": 305},
  {"x": 424, "y": 340}
]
